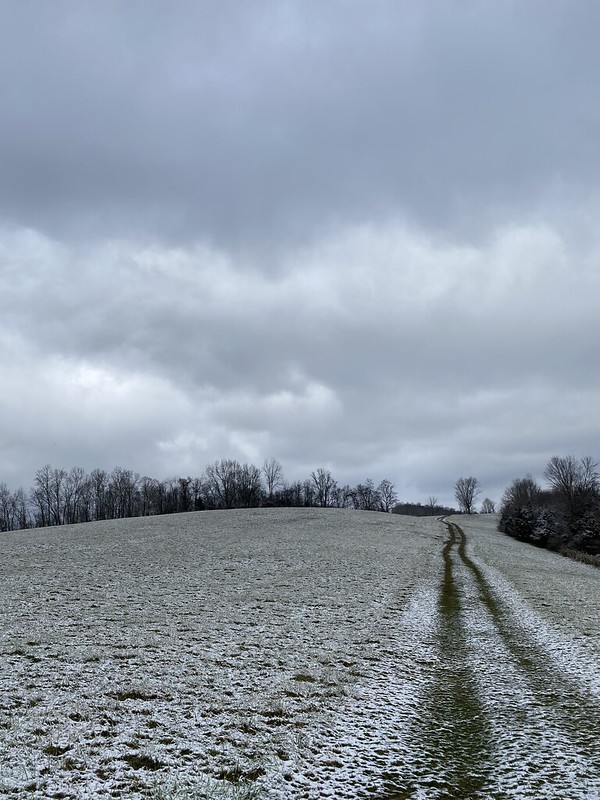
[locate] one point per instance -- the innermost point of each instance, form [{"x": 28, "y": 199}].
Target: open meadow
[{"x": 296, "y": 653}]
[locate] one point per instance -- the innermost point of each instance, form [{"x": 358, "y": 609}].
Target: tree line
[
  {"x": 61, "y": 497},
  {"x": 562, "y": 515},
  {"x": 466, "y": 492},
  {"x": 429, "y": 509}
]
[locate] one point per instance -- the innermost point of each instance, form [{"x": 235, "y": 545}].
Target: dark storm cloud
[{"x": 240, "y": 123}]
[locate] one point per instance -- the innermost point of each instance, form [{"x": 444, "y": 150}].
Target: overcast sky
[{"x": 355, "y": 235}]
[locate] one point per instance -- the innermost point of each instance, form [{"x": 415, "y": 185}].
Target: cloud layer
[
  {"x": 344, "y": 237},
  {"x": 376, "y": 351}
]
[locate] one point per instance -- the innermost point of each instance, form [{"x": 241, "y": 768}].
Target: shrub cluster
[{"x": 565, "y": 515}]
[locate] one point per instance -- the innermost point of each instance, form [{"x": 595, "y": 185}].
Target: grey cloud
[
  {"x": 338, "y": 236},
  {"x": 379, "y": 352},
  {"x": 234, "y": 124}
]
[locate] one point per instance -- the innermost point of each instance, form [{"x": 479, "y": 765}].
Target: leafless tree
[
  {"x": 365, "y": 496},
  {"x": 46, "y": 495},
  {"x": 229, "y": 484},
  {"x": 123, "y": 485},
  {"x": 562, "y": 473},
  {"x": 249, "y": 487},
  {"x": 169, "y": 495},
  {"x": 221, "y": 482},
  {"x": 387, "y": 495},
  {"x": 184, "y": 496},
  {"x": 522, "y": 493},
  {"x": 308, "y": 493},
  {"x": 149, "y": 497},
  {"x": 22, "y": 519},
  {"x": 577, "y": 482},
  {"x": 488, "y": 506},
  {"x": 196, "y": 490},
  {"x": 273, "y": 472},
  {"x": 295, "y": 493},
  {"x": 13, "y": 509},
  {"x": 6, "y": 508},
  {"x": 76, "y": 496},
  {"x": 324, "y": 486},
  {"x": 466, "y": 491},
  {"x": 342, "y": 497},
  {"x": 589, "y": 477}
]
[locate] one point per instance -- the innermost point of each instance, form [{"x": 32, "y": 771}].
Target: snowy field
[{"x": 296, "y": 653}]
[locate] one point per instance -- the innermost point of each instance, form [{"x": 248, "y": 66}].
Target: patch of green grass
[
  {"x": 142, "y": 761},
  {"x": 207, "y": 789},
  {"x": 56, "y": 750},
  {"x": 132, "y": 694}
]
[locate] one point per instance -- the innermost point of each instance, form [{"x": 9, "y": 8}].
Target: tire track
[
  {"x": 463, "y": 703},
  {"x": 452, "y": 738},
  {"x": 458, "y": 736},
  {"x": 545, "y": 723}
]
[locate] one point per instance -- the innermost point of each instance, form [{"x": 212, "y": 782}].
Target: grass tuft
[
  {"x": 142, "y": 761},
  {"x": 132, "y": 694},
  {"x": 302, "y": 677}
]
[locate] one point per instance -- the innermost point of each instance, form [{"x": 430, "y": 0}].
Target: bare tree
[
  {"x": 99, "y": 494},
  {"x": 577, "y": 482},
  {"x": 123, "y": 487},
  {"x": 221, "y": 482},
  {"x": 432, "y": 502},
  {"x": 562, "y": 473},
  {"x": 522, "y": 492},
  {"x": 196, "y": 489},
  {"x": 47, "y": 495},
  {"x": 342, "y": 497},
  {"x": 589, "y": 477},
  {"x": 149, "y": 496},
  {"x": 75, "y": 496},
  {"x": 294, "y": 494},
  {"x": 365, "y": 497},
  {"x": 184, "y": 496},
  {"x": 22, "y": 519},
  {"x": 170, "y": 495},
  {"x": 488, "y": 506},
  {"x": 249, "y": 487},
  {"x": 387, "y": 495},
  {"x": 324, "y": 486},
  {"x": 273, "y": 472},
  {"x": 13, "y": 509},
  {"x": 466, "y": 491},
  {"x": 6, "y": 508}
]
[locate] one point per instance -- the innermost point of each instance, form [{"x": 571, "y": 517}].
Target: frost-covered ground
[
  {"x": 531, "y": 633},
  {"x": 559, "y": 590},
  {"x": 296, "y": 653},
  {"x": 155, "y": 652}
]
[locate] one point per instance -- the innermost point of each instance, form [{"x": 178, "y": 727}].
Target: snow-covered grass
[
  {"x": 295, "y": 654},
  {"x": 560, "y": 591},
  {"x": 534, "y": 650},
  {"x": 206, "y": 654}
]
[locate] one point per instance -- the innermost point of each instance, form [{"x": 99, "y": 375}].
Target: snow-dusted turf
[
  {"x": 558, "y": 590},
  {"x": 296, "y": 653}
]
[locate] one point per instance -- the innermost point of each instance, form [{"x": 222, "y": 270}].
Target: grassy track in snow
[{"x": 296, "y": 654}]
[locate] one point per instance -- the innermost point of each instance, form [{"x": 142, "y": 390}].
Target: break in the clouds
[{"x": 351, "y": 235}]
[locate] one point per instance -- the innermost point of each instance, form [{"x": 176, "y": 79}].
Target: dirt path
[
  {"x": 502, "y": 718},
  {"x": 476, "y": 698}
]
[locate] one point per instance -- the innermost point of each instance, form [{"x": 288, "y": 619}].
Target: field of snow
[{"x": 295, "y": 654}]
